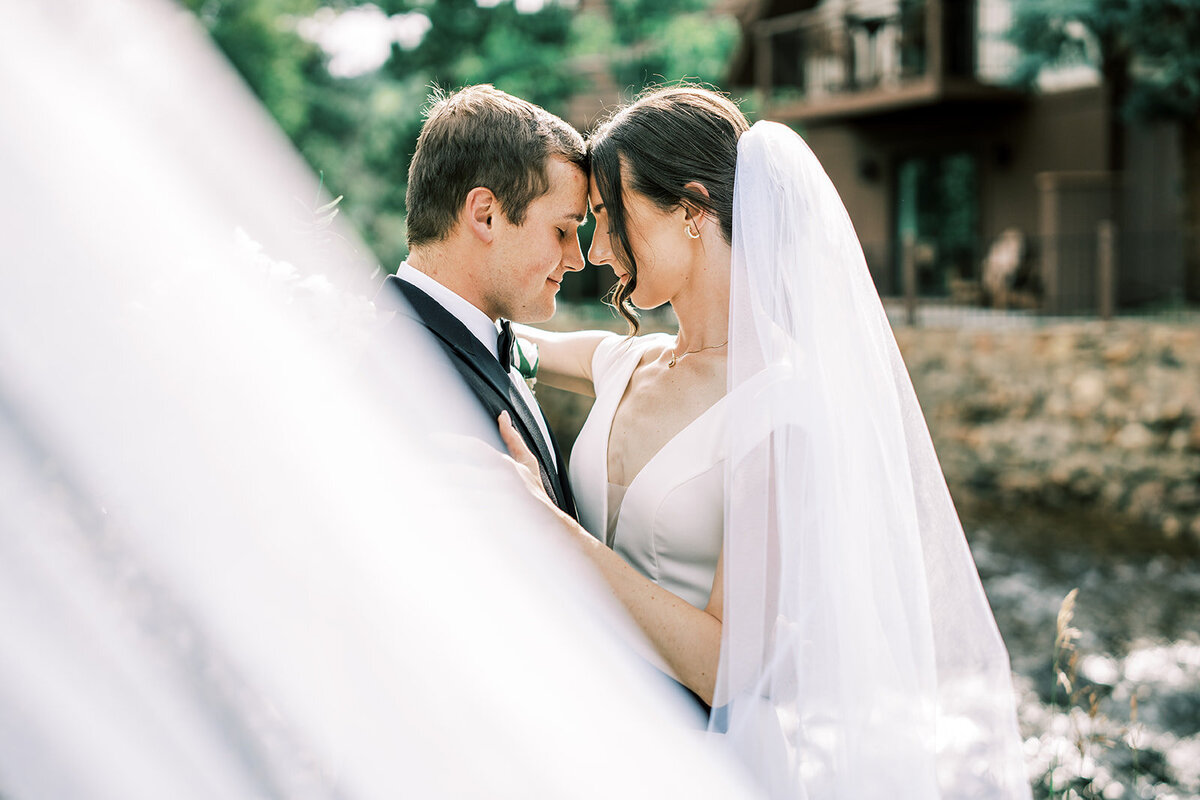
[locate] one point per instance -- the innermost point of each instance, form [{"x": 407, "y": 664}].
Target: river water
[{"x": 1112, "y": 709}]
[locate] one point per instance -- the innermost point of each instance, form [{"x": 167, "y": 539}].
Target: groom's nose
[{"x": 573, "y": 258}]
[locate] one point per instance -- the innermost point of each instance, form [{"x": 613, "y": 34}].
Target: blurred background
[{"x": 1025, "y": 178}]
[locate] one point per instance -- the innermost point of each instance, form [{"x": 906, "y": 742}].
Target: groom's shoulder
[
  {"x": 397, "y": 294},
  {"x": 401, "y": 300}
]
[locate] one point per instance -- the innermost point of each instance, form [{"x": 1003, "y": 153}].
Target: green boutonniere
[{"x": 525, "y": 359}]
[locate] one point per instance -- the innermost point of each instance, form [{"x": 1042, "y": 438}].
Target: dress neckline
[{"x": 633, "y": 482}]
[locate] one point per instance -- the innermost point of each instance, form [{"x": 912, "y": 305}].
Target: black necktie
[{"x": 504, "y": 345}]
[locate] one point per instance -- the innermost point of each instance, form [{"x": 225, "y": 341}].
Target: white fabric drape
[
  {"x": 233, "y": 563},
  {"x": 860, "y": 657}
]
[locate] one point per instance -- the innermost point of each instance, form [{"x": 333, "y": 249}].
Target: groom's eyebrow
[{"x": 578, "y": 216}]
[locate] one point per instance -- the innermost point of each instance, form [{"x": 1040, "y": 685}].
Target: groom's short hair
[{"x": 481, "y": 136}]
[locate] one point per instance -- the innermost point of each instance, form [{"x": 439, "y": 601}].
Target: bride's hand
[
  {"x": 526, "y": 462},
  {"x": 527, "y": 467}
]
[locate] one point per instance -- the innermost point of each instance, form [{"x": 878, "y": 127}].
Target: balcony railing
[{"x": 890, "y": 49}]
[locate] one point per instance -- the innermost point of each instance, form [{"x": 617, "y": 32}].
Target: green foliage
[
  {"x": 360, "y": 132},
  {"x": 517, "y": 52},
  {"x": 1150, "y": 47},
  {"x": 1167, "y": 66},
  {"x": 275, "y": 62},
  {"x": 647, "y": 42}
]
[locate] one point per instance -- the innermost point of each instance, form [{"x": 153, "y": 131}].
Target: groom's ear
[{"x": 479, "y": 213}]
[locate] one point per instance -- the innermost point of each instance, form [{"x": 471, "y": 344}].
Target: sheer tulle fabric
[
  {"x": 234, "y": 560},
  {"x": 860, "y": 658}
]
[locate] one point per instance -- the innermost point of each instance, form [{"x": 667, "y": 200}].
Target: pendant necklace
[{"x": 675, "y": 359}]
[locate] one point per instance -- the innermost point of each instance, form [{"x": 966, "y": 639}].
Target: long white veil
[
  {"x": 233, "y": 560},
  {"x": 860, "y": 657}
]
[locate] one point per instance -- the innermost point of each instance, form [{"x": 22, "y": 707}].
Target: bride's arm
[
  {"x": 688, "y": 638},
  {"x": 564, "y": 359}
]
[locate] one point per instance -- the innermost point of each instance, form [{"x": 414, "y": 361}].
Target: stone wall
[
  {"x": 1091, "y": 414},
  {"x": 1103, "y": 416}
]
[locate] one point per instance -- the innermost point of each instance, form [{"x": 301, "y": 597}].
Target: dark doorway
[{"x": 937, "y": 203}]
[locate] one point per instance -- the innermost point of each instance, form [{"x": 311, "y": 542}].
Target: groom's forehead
[{"x": 568, "y": 191}]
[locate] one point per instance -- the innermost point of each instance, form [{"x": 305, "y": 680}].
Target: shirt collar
[{"x": 477, "y": 322}]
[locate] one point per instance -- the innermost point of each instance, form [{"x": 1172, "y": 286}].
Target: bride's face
[{"x": 656, "y": 238}]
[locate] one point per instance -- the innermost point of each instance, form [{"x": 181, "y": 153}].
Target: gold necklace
[{"x": 675, "y": 359}]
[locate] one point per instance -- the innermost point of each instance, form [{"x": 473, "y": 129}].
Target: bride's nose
[{"x": 600, "y": 251}]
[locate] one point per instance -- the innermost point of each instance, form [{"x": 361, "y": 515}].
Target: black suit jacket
[{"x": 486, "y": 378}]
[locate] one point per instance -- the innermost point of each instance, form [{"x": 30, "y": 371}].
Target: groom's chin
[{"x": 541, "y": 313}]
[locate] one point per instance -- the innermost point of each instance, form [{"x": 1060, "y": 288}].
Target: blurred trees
[
  {"x": 1148, "y": 54},
  {"x": 359, "y": 132}
]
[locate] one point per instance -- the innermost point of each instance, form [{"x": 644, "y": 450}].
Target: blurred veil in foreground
[{"x": 234, "y": 562}]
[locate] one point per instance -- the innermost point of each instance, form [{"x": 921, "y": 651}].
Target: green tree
[
  {"x": 653, "y": 41},
  {"x": 275, "y": 62},
  {"x": 360, "y": 132}
]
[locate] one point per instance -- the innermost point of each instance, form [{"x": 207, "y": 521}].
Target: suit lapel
[
  {"x": 567, "y": 497},
  {"x": 468, "y": 350}
]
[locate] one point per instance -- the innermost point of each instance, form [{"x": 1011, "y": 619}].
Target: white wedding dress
[
  {"x": 859, "y": 656},
  {"x": 669, "y": 521}
]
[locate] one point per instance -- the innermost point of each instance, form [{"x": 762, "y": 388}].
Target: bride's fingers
[{"x": 515, "y": 444}]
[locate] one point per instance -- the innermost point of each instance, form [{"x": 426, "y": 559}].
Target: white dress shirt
[{"x": 484, "y": 329}]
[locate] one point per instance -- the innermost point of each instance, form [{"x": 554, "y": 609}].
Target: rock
[
  {"x": 1134, "y": 436},
  {"x": 1113, "y": 493},
  {"x": 1087, "y": 392},
  {"x": 1173, "y": 412},
  {"x": 1114, "y": 410},
  {"x": 1061, "y": 473},
  {"x": 1171, "y": 527},
  {"x": 1107, "y": 415},
  {"x": 1121, "y": 352},
  {"x": 1146, "y": 501},
  {"x": 1060, "y": 349},
  {"x": 1184, "y": 496},
  {"x": 1057, "y": 404},
  {"x": 1086, "y": 486},
  {"x": 1020, "y": 483}
]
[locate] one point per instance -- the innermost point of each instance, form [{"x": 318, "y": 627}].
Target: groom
[{"x": 497, "y": 189}]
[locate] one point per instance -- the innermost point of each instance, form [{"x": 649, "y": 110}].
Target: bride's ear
[{"x": 694, "y": 216}]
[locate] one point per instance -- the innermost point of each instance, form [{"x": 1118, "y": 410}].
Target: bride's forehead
[{"x": 595, "y": 201}]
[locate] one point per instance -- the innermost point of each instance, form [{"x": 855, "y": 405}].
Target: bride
[{"x": 760, "y": 490}]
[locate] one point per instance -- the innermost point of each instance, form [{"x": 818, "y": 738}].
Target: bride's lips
[{"x": 623, "y": 278}]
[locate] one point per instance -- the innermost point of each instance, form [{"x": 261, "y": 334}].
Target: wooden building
[{"x": 949, "y": 168}]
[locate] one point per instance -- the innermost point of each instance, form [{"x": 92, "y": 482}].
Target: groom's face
[{"x": 531, "y": 259}]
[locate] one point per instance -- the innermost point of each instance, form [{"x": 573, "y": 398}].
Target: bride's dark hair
[{"x": 667, "y": 138}]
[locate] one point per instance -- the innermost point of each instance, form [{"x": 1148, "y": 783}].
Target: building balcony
[{"x": 882, "y": 56}]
